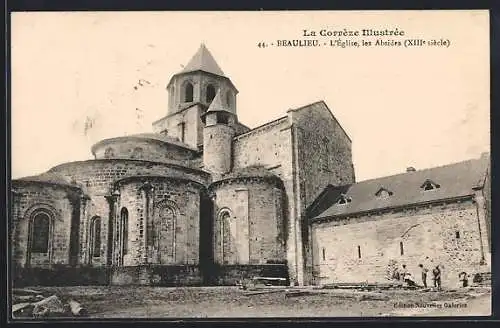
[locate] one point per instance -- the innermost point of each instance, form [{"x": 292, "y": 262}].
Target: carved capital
[
  {"x": 112, "y": 199},
  {"x": 147, "y": 187}
]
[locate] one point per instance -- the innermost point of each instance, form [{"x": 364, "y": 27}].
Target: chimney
[{"x": 410, "y": 169}]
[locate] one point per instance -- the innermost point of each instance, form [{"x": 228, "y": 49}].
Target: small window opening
[
  {"x": 401, "y": 248},
  {"x": 429, "y": 185},
  {"x": 359, "y": 252},
  {"x": 188, "y": 92},
  {"x": 210, "y": 93},
  {"x": 344, "y": 200},
  {"x": 182, "y": 132},
  {"x": 457, "y": 234},
  {"x": 324, "y": 254},
  {"x": 40, "y": 233},
  {"x": 222, "y": 119}
]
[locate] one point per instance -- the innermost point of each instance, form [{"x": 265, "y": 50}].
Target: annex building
[{"x": 204, "y": 199}]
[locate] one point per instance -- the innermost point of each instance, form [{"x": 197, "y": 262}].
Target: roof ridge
[
  {"x": 421, "y": 170},
  {"x": 203, "y": 60}
]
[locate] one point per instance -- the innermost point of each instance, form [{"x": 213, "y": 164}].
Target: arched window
[
  {"x": 109, "y": 153},
  {"x": 163, "y": 234},
  {"x": 124, "y": 224},
  {"x": 225, "y": 236},
  {"x": 95, "y": 237},
  {"x": 210, "y": 93},
  {"x": 229, "y": 99},
  {"x": 188, "y": 92},
  {"x": 40, "y": 233}
]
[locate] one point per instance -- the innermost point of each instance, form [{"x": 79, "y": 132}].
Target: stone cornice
[
  {"x": 261, "y": 129},
  {"x": 124, "y": 161},
  {"x": 139, "y": 138},
  {"x": 149, "y": 178},
  {"x": 252, "y": 179}
]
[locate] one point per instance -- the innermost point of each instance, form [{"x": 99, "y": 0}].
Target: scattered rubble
[{"x": 28, "y": 303}]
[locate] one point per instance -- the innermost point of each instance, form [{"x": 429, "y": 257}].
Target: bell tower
[{"x": 190, "y": 94}]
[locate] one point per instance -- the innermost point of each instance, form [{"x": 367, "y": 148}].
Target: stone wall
[
  {"x": 365, "y": 248},
  {"x": 272, "y": 146},
  {"x": 97, "y": 177},
  {"x": 169, "y": 227},
  {"x": 60, "y": 276},
  {"x": 323, "y": 155},
  {"x": 157, "y": 275},
  {"x": 217, "y": 148},
  {"x": 193, "y": 126},
  {"x": 231, "y": 275},
  {"x": 267, "y": 146},
  {"x": 52, "y": 199},
  {"x": 254, "y": 229},
  {"x": 324, "y": 151},
  {"x": 144, "y": 149}
]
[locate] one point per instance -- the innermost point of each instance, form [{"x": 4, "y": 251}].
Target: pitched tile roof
[
  {"x": 50, "y": 177},
  {"x": 203, "y": 61},
  {"x": 454, "y": 180}
]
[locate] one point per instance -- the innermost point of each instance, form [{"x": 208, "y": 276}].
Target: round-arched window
[
  {"x": 40, "y": 233},
  {"x": 188, "y": 92},
  {"x": 95, "y": 236},
  {"x": 210, "y": 93}
]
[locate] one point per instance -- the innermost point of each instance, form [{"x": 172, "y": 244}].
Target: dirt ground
[{"x": 210, "y": 302}]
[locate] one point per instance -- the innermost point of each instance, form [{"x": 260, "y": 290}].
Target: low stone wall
[
  {"x": 59, "y": 276},
  {"x": 157, "y": 275},
  {"x": 230, "y": 275}
]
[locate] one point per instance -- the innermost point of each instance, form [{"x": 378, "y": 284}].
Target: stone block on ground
[
  {"x": 22, "y": 310},
  {"x": 50, "y": 306},
  {"x": 77, "y": 309}
]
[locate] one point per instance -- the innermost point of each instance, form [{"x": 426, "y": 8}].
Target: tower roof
[
  {"x": 203, "y": 61},
  {"x": 218, "y": 105}
]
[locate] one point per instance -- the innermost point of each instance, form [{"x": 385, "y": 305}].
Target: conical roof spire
[
  {"x": 217, "y": 105},
  {"x": 203, "y": 61}
]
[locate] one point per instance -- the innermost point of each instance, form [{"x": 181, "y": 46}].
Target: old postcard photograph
[{"x": 259, "y": 164}]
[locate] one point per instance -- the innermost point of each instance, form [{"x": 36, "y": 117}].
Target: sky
[{"x": 416, "y": 106}]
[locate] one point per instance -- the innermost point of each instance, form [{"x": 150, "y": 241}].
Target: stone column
[
  {"x": 84, "y": 200},
  {"x": 146, "y": 222},
  {"x": 76, "y": 200},
  {"x": 114, "y": 250}
]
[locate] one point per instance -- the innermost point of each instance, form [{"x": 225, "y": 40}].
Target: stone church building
[{"x": 206, "y": 200}]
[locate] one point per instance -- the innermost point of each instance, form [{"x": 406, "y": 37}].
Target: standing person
[
  {"x": 424, "y": 274},
  {"x": 463, "y": 278},
  {"x": 436, "y": 272}
]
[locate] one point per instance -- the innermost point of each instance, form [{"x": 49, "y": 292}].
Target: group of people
[{"x": 406, "y": 276}]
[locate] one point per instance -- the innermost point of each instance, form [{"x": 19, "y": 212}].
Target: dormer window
[
  {"x": 384, "y": 193},
  {"x": 429, "y": 185},
  {"x": 343, "y": 200}
]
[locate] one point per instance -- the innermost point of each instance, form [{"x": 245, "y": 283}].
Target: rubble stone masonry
[{"x": 370, "y": 246}]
